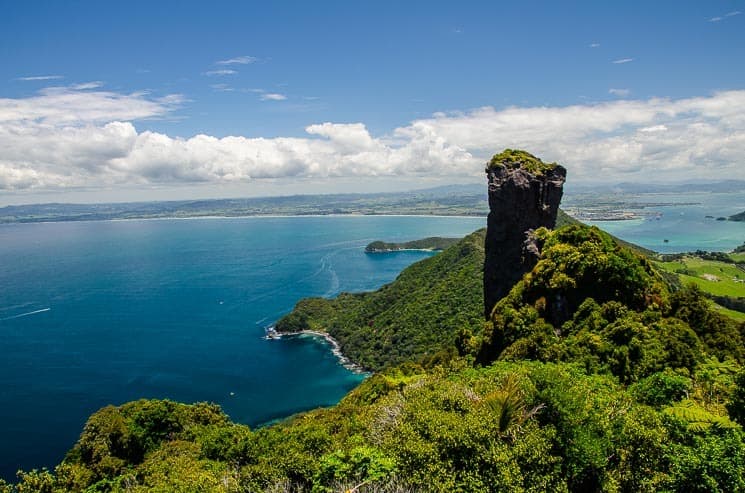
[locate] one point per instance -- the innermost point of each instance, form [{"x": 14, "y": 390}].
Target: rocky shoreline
[{"x": 272, "y": 333}]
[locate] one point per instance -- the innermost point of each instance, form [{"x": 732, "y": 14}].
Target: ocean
[
  {"x": 98, "y": 313},
  {"x": 684, "y": 223}
]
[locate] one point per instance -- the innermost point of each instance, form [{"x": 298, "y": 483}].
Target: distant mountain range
[
  {"x": 448, "y": 200},
  {"x": 687, "y": 187},
  {"x": 451, "y": 200}
]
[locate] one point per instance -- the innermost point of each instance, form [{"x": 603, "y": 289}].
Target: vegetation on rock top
[{"x": 515, "y": 158}]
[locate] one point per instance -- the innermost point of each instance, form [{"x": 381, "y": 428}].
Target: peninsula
[{"x": 433, "y": 243}]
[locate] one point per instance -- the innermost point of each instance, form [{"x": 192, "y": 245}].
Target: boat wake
[{"x": 26, "y": 314}]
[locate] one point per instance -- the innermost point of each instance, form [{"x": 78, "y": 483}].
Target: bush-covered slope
[
  {"x": 592, "y": 301},
  {"x": 520, "y": 426},
  {"x": 415, "y": 316}
]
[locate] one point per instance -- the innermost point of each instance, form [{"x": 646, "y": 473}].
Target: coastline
[
  {"x": 272, "y": 333},
  {"x": 245, "y": 216},
  {"x": 392, "y": 250}
]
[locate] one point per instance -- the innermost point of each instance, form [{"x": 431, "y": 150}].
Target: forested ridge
[
  {"x": 431, "y": 243},
  {"x": 592, "y": 374}
]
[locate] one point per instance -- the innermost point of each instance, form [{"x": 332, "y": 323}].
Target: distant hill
[
  {"x": 451, "y": 200},
  {"x": 630, "y": 187}
]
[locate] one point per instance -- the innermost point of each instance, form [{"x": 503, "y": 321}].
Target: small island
[
  {"x": 433, "y": 243},
  {"x": 738, "y": 217}
]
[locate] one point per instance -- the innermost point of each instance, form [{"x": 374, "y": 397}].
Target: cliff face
[{"x": 524, "y": 194}]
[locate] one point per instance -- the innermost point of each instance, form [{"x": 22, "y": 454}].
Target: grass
[
  {"x": 733, "y": 314},
  {"x": 738, "y": 257},
  {"x": 723, "y": 280}
]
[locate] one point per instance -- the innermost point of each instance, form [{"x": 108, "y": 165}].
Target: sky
[{"x": 120, "y": 101}]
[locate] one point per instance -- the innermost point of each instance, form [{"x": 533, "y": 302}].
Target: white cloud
[
  {"x": 654, "y": 128},
  {"x": 41, "y": 77},
  {"x": 87, "y": 85},
  {"x": 622, "y": 93},
  {"x": 704, "y": 136},
  {"x": 273, "y": 96},
  {"x": 221, "y": 87},
  {"x": 57, "y": 106},
  {"x": 219, "y": 73},
  {"x": 239, "y": 60},
  {"x": 722, "y": 17},
  {"x": 594, "y": 45},
  {"x": 622, "y": 60},
  {"x": 63, "y": 138}
]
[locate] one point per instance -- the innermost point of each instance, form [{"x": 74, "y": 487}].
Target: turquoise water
[
  {"x": 102, "y": 313},
  {"x": 685, "y": 227}
]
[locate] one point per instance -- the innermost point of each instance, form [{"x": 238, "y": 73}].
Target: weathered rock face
[{"x": 524, "y": 194}]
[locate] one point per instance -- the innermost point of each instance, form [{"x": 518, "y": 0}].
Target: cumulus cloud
[
  {"x": 622, "y": 93},
  {"x": 72, "y": 138},
  {"x": 702, "y": 136}
]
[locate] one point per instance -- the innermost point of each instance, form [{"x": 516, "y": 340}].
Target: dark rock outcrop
[{"x": 524, "y": 194}]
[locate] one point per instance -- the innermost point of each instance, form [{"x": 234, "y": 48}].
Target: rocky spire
[{"x": 524, "y": 194}]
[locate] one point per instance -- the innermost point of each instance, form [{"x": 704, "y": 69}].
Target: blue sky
[{"x": 326, "y": 96}]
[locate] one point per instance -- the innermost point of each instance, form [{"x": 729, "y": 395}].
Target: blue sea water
[
  {"x": 684, "y": 223},
  {"x": 97, "y": 313}
]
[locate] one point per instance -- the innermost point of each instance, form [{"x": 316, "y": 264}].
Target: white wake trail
[{"x": 26, "y": 314}]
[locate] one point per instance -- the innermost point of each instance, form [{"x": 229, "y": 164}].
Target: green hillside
[
  {"x": 589, "y": 300},
  {"x": 415, "y": 316},
  {"x": 720, "y": 276}
]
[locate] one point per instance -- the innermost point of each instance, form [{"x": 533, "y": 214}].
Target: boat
[{"x": 271, "y": 333}]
